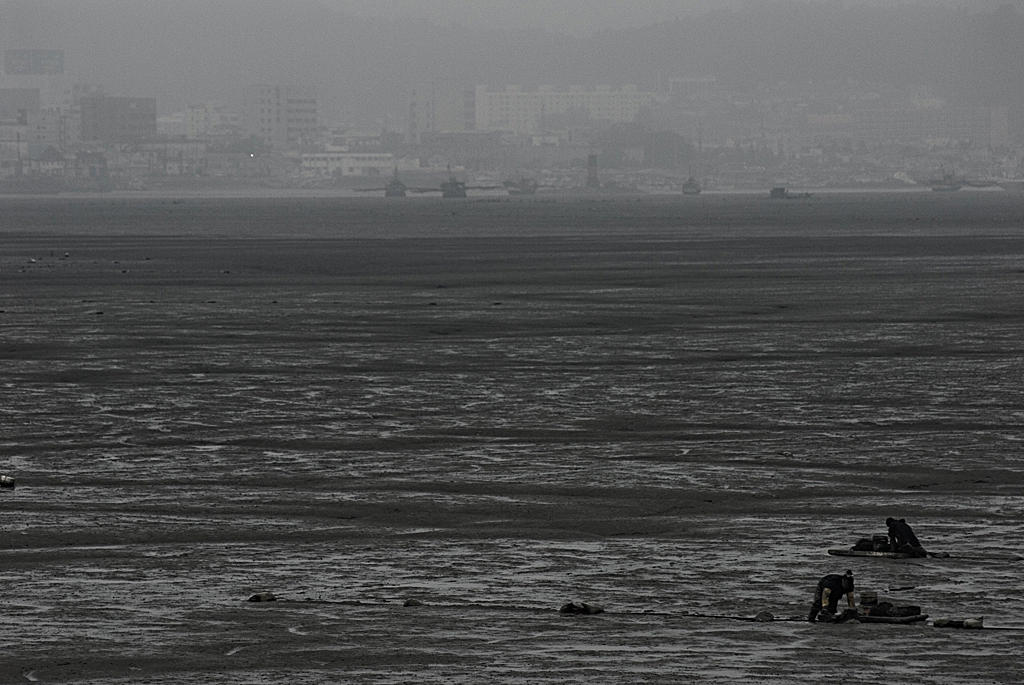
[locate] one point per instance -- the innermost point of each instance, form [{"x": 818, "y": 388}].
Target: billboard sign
[{"x": 33, "y": 62}]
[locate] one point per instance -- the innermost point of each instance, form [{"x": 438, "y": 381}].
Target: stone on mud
[
  {"x": 970, "y": 623},
  {"x": 263, "y": 597},
  {"x": 581, "y": 608}
]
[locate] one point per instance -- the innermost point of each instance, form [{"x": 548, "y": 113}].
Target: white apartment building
[
  {"x": 524, "y": 111},
  {"x": 210, "y": 119},
  {"x": 344, "y": 163},
  {"x": 280, "y": 115}
]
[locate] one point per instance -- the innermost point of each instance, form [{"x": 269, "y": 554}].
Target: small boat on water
[
  {"x": 782, "y": 193},
  {"x": 524, "y": 186},
  {"x": 691, "y": 187},
  {"x": 393, "y": 189},
  {"x": 453, "y": 188},
  {"x": 947, "y": 184}
]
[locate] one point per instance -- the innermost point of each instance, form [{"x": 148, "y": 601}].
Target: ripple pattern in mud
[{"x": 670, "y": 428}]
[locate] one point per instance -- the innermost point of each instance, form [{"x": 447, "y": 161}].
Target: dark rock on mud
[
  {"x": 263, "y": 597},
  {"x": 581, "y": 608}
]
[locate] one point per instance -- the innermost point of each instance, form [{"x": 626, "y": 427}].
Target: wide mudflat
[{"x": 671, "y": 407}]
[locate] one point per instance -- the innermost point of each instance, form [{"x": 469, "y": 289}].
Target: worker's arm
[{"x": 849, "y": 600}]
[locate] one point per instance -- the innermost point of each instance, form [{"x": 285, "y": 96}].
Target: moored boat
[
  {"x": 948, "y": 183},
  {"x": 691, "y": 187}
]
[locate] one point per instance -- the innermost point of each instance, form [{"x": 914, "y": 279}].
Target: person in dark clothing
[
  {"x": 829, "y": 590},
  {"x": 902, "y": 538}
]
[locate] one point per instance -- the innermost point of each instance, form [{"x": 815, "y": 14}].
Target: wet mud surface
[{"x": 668, "y": 407}]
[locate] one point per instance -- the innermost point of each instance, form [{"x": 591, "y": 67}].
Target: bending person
[
  {"x": 902, "y": 538},
  {"x": 826, "y": 596}
]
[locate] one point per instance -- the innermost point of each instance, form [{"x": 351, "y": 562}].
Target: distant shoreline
[{"x": 241, "y": 191}]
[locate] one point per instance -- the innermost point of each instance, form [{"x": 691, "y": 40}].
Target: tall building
[
  {"x": 452, "y": 107},
  {"x": 17, "y": 104},
  {"x": 72, "y": 114},
  {"x": 118, "y": 120},
  {"x": 282, "y": 116},
  {"x": 524, "y": 111},
  {"x": 42, "y": 70}
]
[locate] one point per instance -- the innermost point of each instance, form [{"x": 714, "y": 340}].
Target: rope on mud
[
  {"x": 668, "y": 614},
  {"x": 777, "y": 619},
  {"x": 993, "y": 556},
  {"x": 749, "y": 619},
  {"x": 754, "y": 619}
]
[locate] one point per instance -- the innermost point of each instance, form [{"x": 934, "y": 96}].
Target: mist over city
[{"x": 774, "y": 82}]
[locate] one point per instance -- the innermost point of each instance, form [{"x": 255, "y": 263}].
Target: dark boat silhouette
[
  {"x": 396, "y": 188},
  {"x": 393, "y": 189},
  {"x": 453, "y": 189},
  {"x": 947, "y": 184},
  {"x": 523, "y": 186}
]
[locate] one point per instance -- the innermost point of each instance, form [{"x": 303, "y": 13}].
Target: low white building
[
  {"x": 47, "y": 161},
  {"x": 344, "y": 163},
  {"x": 176, "y": 157}
]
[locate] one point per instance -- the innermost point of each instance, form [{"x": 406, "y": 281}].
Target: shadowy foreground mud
[{"x": 668, "y": 407}]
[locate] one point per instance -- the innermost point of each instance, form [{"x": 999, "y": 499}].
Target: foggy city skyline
[{"x": 742, "y": 94}]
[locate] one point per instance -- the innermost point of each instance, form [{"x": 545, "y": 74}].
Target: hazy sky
[
  {"x": 579, "y": 17},
  {"x": 188, "y": 51},
  {"x": 571, "y": 16}
]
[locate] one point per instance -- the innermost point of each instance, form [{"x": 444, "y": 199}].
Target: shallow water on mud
[{"x": 670, "y": 429}]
